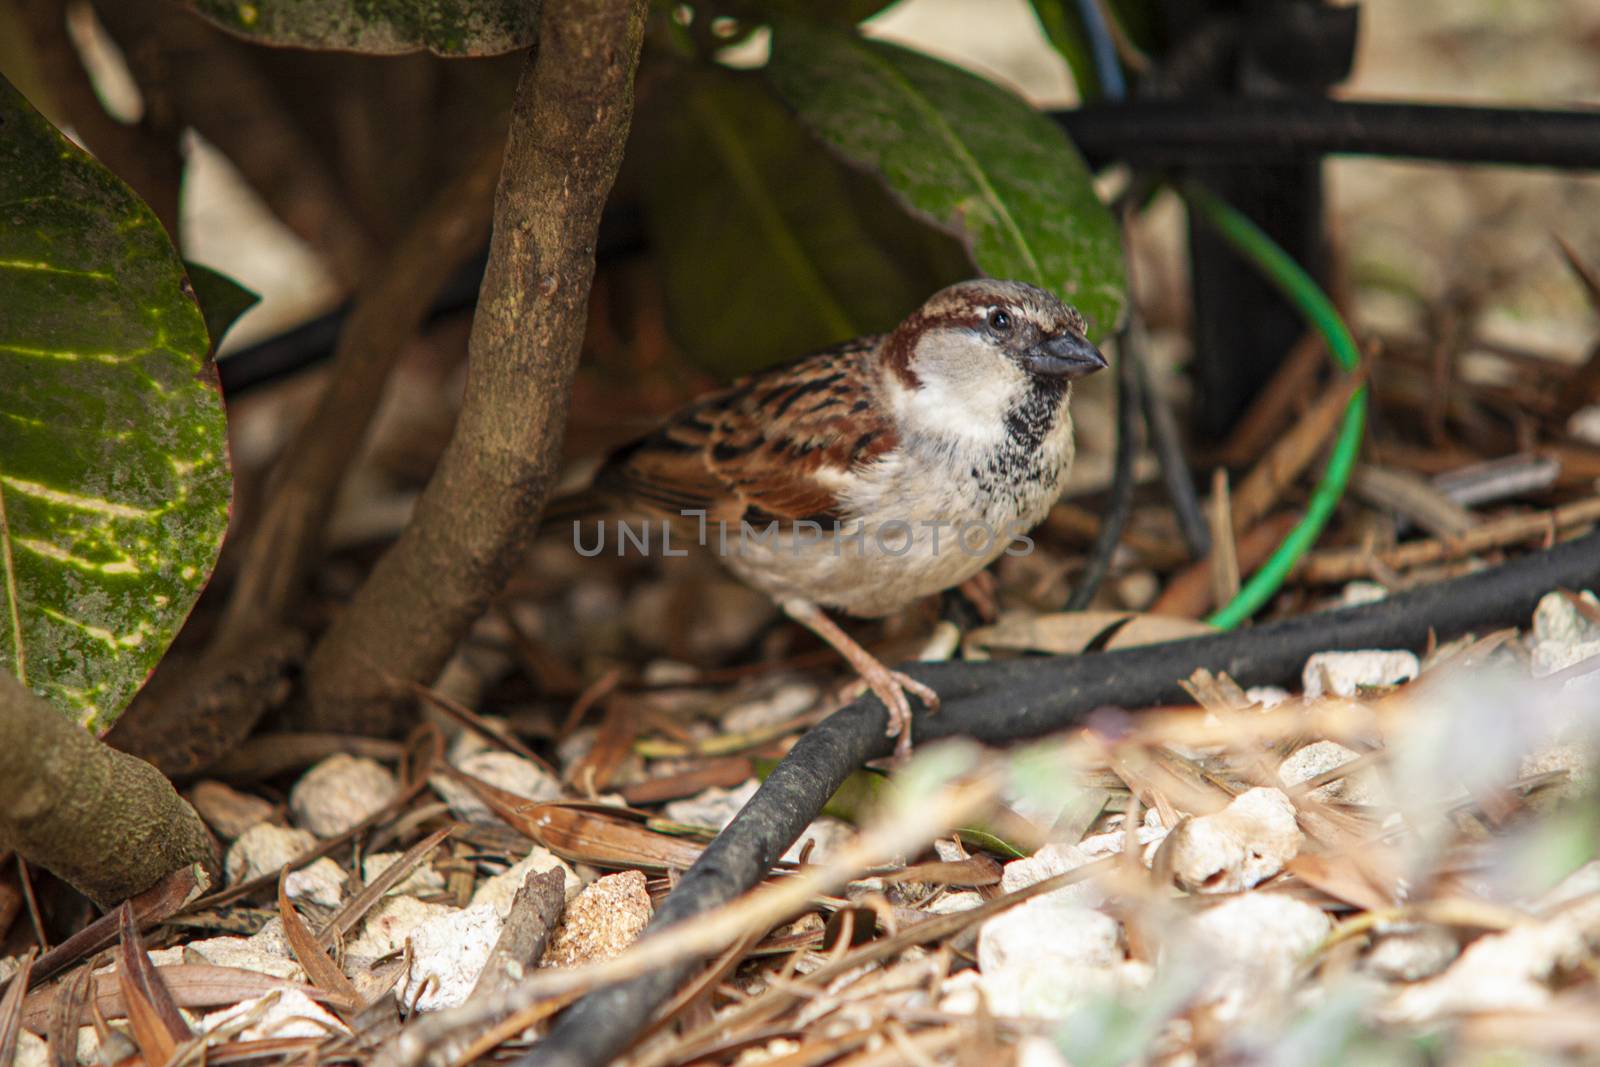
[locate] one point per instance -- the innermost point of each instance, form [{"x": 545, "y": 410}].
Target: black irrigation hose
[
  {"x": 1025, "y": 698},
  {"x": 1274, "y": 129},
  {"x": 1120, "y": 502}
]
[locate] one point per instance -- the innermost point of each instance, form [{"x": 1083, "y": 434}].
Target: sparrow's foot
[{"x": 890, "y": 686}]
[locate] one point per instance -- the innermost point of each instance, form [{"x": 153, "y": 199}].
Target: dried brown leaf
[
  {"x": 11, "y": 1008},
  {"x": 318, "y": 965},
  {"x": 158, "y": 1027}
]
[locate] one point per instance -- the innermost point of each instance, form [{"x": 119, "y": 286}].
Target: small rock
[
  {"x": 320, "y": 882},
  {"x": 1050, "y": 860},
  {"x": 778, "y": 706},
  {"x": 1246, "y": 843},
  {"x": 247, "y": 953},
  {"x": 503, "y": 770},
  {"x": 1137, "y": 590},
  {"x": 228, "y": 811},
  {"x": 447, "y": 956},
  {"x": 601, "y": 921},
  {"x": 1319, "y": 757},
  {"x": 1267, "y": 696},
  {"x": 949, "y": 903},
  {"x": 1042, "y": 958},
  {"x": 1585, "y": 424},
  {"x": 422, "y": 879},
  {"x": 1251, "y": 946},
  {"x": 1038, "y": 1051},
  {"x": 265, "y": 849},
  {"x": 1357, "y": 593},
  {"x": 1346, "y": 674},
  {"x": 826, "y": 836},
  {"x": 1410, "y": 953},
  {"x": 340, "y": 792},
  {"x": 289, "y": 1013},
  {"x": 32, "y": 1051},
  {"x": 390, "y": 922},
  {"x": 1504, "y": 972},
  {"x": 712, "y": 808},
  {"x": 501, "y": 890}
]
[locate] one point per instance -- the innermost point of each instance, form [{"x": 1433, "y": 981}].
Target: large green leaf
[
  {"x": 381, "y": 27},
  {"x": 1062, "y": 22},
  {"x": 114, "y": 483},
  {"x": 770, "y": 248},
  {"x": 964, "y": 153}
]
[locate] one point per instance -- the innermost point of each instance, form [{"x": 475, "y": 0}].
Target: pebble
[
  {"x": 601, "y": 921},
  {"x": 1240, "y": 846},
  {"x": 340, "y": 792},
  {"x": 265, "y": 849},
  {"x": 1319, "y": 757},
  {"x": 503, "y": 770},
  {"x": 1347, "y": 674}
]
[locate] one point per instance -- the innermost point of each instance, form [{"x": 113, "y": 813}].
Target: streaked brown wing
[{"x": 754, "y": 450}]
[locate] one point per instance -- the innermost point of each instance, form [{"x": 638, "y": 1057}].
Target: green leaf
[
  {"x": 770, "y": 248},
  {"x": 964, "y": 153},
  {"x": 222, "y": 300},
  {"x": 114, "y": 483},
  {"x": 1063, "y": 25},
  {"x": 381, "y": 27}
]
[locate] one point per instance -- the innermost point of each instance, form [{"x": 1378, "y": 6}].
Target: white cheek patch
[{"x": 966, "y": 388}]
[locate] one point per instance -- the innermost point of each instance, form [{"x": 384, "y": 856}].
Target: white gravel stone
[
  {"x": 1411, "y": 953},
  {"x": 711, "y": 808},
  {"x": 451, "y": 951},
  {"x": 289, "y": 1013},
  {"x": 340, "y": 792},
  {"x": 1267, "y": 696},
  {"x": 320, "y": 882},
  {"x": 1319, "y": 757},
  {"x": 422, "y": 879},
  {"x": 1240, "y": 846},
  {"x": 1050, "y": 860},
  {"x": 827, "y": 836},
  {"x": 262, "y": 953},
  {"x": 1346, "y": 674},
  {"x": 503, "y": 770},
  {"x": 390, "y": 922},
  {"x": 1504, "y": 972},
  {"x": 1251, "y": 946},
  {"x": 778, "y": 706},
  {"x": 264, "y": 849},
  {"x": 1041, "y": 959},
  {"x": 501, "y": 890},
  {"x": 32, "y": 1050}
]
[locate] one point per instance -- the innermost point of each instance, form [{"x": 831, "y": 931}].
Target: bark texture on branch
[
  {"x": 569, "y": 125},
  {"x": 107, "y": 823}
]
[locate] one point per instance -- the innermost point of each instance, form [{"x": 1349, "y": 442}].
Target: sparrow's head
[{"x": 985, "y": 349}]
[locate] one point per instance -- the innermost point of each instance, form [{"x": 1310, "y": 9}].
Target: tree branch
[
  {"x": 568, "y": 128},
  {"x": 107, "y": 823}
]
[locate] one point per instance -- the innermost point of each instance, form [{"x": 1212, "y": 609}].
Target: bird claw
[{"x": 891, "y": 687}]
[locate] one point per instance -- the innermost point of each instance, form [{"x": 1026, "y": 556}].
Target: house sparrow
[{"x": 896, "y": 466}]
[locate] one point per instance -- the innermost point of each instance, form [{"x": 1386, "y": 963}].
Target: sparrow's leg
[{"x": 890, "y": 686}]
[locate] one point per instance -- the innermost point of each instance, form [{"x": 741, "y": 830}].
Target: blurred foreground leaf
[
  {"x": 381, "y": 27},
  {"x": 770, "y": 247},
  {"x": 114, "y": 483},
  {"x": 964, "y": 153},
  {"x": 222, "y": 300}
]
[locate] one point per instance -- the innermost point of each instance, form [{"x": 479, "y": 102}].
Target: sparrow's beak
[{"x": 1067, "y": 356}]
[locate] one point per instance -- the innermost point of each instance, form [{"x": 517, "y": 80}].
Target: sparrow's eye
[{"x": 999, "y": 321}]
